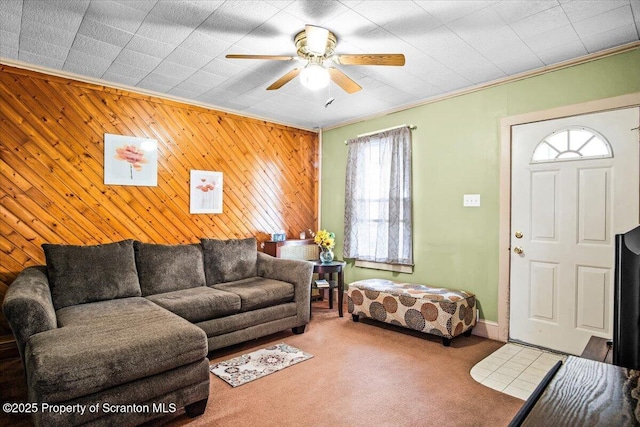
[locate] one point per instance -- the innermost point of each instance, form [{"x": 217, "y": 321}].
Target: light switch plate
[{"x": 471, "y": 200}]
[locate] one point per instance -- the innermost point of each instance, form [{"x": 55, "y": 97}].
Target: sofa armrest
[
  {"x": 297, "y": 272},
  {"x": 28, "y": 307}
]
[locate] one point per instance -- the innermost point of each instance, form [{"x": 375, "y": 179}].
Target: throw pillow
[
  {"x": 166, "y": 268},
  {"x": 229, "y": 260},
  {"x": 83, "y": 274}
]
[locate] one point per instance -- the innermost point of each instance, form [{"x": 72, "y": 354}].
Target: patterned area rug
[{"x": 248, "y": 367}]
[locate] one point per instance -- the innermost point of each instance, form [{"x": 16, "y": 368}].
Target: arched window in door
[{"x": 572, "y": 144}]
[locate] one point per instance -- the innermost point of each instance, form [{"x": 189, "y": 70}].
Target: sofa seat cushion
[
  {"x": 198, "y": 304},
  {"x": 236, "y": 322},
  {"x": 166, "y": 268},
  {"x": 83, "y": 274},
  {"x": 259, "y": 292},
  {"x": 104, "y": 344}
]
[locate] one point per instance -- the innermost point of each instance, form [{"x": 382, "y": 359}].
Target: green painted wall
[{"x": 456, "y": 152}]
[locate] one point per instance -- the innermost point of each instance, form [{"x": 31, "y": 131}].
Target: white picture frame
[
  {"x": 130, "y": 160},
  {"x": 205, "y": 192}
]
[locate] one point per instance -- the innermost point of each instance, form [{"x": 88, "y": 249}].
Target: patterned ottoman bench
[{"x": 439, "y": 311}]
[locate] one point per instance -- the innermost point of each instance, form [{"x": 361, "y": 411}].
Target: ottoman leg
[
  {"x": 468, "y": 333},
  {"x": 446, "y": 342},
  {"x": 355, "y": 317}
]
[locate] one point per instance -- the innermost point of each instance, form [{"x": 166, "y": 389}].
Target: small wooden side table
[{"x": 335, "y": 266}]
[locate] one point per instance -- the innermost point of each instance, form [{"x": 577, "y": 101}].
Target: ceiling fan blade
[
  {"x": 396, "y": 59},
  {"x": 284, "y": 79},
  {"x": 342, "y": 80},
  {"x": 316, "y": 39},
  {"x": 271, "y": 57}
]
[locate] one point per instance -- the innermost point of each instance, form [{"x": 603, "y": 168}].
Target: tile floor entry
[{"x": 515, "y": 369}]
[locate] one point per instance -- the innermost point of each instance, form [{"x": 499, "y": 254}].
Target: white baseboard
[{"x": 487, "y": 329}]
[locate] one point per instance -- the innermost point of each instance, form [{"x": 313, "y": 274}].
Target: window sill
[{"x": 387, "y": 267}]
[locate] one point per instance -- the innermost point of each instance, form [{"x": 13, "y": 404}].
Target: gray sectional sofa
[{"x": 119, "y": 333}]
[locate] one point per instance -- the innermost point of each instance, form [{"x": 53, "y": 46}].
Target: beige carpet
[{"x": 362, "y": 374}]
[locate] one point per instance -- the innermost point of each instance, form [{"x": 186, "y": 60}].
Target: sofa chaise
[{"x": 119, "y": 333}]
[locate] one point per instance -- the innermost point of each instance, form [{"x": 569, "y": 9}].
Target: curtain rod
[{"x": 411, "y": 127}]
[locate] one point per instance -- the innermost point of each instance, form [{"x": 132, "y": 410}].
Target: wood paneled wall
[{"x": 51, "y": 170}]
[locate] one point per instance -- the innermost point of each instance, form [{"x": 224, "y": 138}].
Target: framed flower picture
[
  {"x": 130, "y": 161},
  {"x": 205, "y": 192}
]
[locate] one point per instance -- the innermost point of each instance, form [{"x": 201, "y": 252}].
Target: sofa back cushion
[
  {"x": 166, "y": 268},
  {"x": 83, "y": 274},
  {"x": 229, "y": 260}
]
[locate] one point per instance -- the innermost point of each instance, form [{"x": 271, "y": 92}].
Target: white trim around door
[{"x": 607, "y": 104}]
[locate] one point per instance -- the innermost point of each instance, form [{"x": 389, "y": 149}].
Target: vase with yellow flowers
[{"x": 326, "y": 241}]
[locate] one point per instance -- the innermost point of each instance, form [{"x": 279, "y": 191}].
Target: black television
[{"x": 626, "y": 305}]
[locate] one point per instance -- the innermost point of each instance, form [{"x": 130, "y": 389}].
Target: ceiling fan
[{"x": 316, "y": 49}]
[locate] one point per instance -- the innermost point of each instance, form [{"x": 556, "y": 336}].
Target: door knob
[{"x": 518, "y": 250}]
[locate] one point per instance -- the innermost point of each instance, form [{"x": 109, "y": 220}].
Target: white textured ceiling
[{"x": 177, "y": 47}]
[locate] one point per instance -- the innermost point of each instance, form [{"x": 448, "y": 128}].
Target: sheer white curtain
[{"x": 377, "y": 213}]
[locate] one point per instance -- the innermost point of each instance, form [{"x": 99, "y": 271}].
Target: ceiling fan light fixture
[
  {"x": 314, "y": 77},
  {"x": 316, "y": 39},
  {"x": 315, "y": 46}
]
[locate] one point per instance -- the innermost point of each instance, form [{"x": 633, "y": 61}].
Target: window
[
  {"x": 378, "y": 225},
  {"x": 572, "y": 144}
]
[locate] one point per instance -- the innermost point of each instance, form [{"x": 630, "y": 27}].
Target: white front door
[{"x": 575, "y": 184}]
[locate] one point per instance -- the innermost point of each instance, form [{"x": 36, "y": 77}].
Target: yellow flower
[{"x": 324, "y": 239}]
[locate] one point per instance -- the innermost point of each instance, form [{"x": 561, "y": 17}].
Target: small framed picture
[
  {"x": 130, "y": 161},
  {"x": 205, "y": 192}
]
